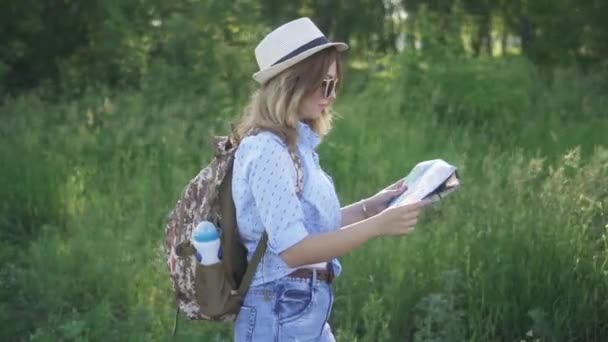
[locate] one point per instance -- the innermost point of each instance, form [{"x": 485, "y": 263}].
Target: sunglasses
[{"x": 328, "y": 87}]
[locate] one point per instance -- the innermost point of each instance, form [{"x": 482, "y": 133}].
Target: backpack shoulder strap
[{"x": 263, "y": 244}]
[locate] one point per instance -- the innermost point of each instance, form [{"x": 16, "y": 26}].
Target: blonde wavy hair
[{"x": 275, "y": 105}]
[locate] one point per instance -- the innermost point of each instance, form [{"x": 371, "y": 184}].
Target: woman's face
[{"x": 315, "y": 105}]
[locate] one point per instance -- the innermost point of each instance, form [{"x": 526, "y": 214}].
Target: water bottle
[{"x": 206, "y": 241}]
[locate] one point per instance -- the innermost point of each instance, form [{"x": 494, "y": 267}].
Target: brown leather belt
[{"x": 326, "y": 275}]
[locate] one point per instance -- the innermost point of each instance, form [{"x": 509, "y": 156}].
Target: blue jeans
[{"x": 288, "y": 309}]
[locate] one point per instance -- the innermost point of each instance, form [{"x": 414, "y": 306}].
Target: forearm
[
  {"x": 352, "y": 213},
  {"x": 327, "y": 246}
]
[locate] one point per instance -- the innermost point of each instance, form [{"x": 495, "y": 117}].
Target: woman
[{"x": 279, "y": 188}]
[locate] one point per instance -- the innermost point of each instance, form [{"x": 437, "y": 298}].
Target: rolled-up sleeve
[{"x": 271, "y": 176}]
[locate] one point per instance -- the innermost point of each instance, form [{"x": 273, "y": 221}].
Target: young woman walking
[{"x": 280, "y": 189}]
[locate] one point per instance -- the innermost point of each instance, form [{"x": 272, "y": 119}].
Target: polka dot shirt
[{"x": 265, "y": 197}]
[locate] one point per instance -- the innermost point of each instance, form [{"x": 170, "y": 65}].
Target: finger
[
  {"x": 389, "y": 194},
  {"x": 418, "y": 204},
  {"x": 408, "y": 215},
  {"x": 402, "y": 230},
  {"x": 401, "y": 189},
  {"x": 413, "y": 210},
  {"x": 397, "y": 185},
  {"x": 409, "y": 226},
  {"x": 405, "y": 232},
  {"x": 427, "y": 202},
  {"x": 412, "y": 222}
]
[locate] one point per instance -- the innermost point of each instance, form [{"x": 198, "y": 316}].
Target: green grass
[{"x": 519, "y": 253}]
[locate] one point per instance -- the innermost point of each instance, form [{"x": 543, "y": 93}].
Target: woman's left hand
[{"x": 377, "y": 203}]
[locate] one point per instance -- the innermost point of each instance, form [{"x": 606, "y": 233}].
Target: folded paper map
[{"x": 431, "y": 179}]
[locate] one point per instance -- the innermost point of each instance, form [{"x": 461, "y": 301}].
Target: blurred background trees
[{"x": 74, "y": 44}]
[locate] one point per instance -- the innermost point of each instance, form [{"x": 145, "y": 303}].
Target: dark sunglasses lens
[{"x": 329, "y": 87}]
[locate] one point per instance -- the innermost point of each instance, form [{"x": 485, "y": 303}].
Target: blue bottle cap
[{"x": 205, "y": 232}]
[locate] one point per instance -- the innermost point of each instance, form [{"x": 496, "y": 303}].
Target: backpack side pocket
[{"x": 214, "y": 293}]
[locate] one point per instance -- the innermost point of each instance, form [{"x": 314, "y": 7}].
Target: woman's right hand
[
  {"x": 400, "y": 220},
  {"x": 327, "y": 246}
]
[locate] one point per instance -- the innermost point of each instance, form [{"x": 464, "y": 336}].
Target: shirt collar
[{"x": 306, "y": 136}]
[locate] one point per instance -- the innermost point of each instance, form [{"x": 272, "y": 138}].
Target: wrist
[
  {"x": 373, "y": 227},
  {"x": 365, "y": 210}
]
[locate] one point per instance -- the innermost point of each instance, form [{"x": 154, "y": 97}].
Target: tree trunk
[
  {"x": 503, "y": 40},
  {"x": 483, "y": 38},
  {"x": 488, "y": 34},
  {"x": 526, "y": 33},
  {"x": 410, "y": 31}
]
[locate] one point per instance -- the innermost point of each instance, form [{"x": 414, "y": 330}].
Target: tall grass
[{"x": 519, "y": 253}]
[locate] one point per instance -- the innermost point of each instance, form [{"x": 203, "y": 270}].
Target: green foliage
[
  {"x": 482, "y": 93},
  {"x": 113, "y": 104},
  {"x": 440, "y": 319},
  {"x": 520, "y": 252},
  {"x": 67, "y": 47},
  {"x": 505, "y": 239}
]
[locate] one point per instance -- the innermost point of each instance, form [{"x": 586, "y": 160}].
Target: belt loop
[{"x": 314, "y": 276}]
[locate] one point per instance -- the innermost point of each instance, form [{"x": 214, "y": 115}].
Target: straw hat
[{"x": 289, "y": 44}]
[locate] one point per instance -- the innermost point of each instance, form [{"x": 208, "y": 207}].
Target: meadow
[{"x": 520, "y": 252}]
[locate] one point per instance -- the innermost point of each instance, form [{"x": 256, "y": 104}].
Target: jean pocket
[
  {"x": 244, "y": 324},
  {"x": 303, "y": 312},
  {"x": 294, "y": 301}
]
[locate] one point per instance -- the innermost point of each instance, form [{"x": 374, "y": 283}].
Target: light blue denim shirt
[{"x": 265, "y": 197}]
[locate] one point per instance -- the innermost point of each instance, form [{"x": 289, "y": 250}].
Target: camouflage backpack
[{"x": 214, "y": 292}]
